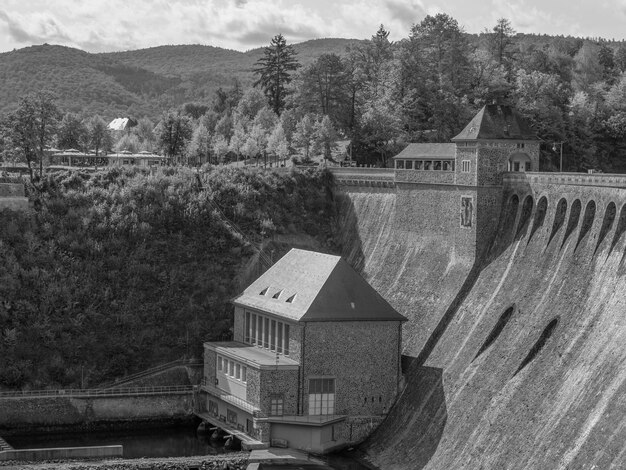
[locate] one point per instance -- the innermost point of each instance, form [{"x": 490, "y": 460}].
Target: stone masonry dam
[{"x": 514, "y": 354}]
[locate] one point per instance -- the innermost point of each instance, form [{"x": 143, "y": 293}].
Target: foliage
[
  {"x": 120, "y": 270},
  {"x": 173, "y": 134},
  {"x": 71, "y": 132},
  {"x": 31, "y": 127},
  {"x": 275, "y": 69}
]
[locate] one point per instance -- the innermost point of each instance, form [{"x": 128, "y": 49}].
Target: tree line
[{"x": 379, "y": 96}]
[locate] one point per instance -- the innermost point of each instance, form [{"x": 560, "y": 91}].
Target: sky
[{"x": 113, "y": 25}]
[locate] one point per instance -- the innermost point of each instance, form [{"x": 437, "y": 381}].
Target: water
[{"x": 169, "y": 442}]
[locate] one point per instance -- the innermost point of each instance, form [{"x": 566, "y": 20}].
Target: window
[
  {"x": 276, "y": 405},
  {"x": 231, "y": 416},
  {"x": 409, "y": 165},
  {"x": 465, "y": 166},
  {"x": 527, "y": 166},
  {"x": 428, "y": 165},
  {"x": 418, "y": 164},
  {"x": 321, "y": 396},
  {"x": 277, "y": 294},
  {"x": 268, "y": 333},
  {"x": 520, "y": 146},
  {"x": 448, "y": 165},
  {"x": 515, "y": 166},
  {"x": 213, "y": 408},
  {"x": 232, "y": 369},
  {"x": 247, "y": 328},
  {"x": 400, "y": 164},
  {"x": 252, "y": 338},
  {"x": 437, "y": 165}
]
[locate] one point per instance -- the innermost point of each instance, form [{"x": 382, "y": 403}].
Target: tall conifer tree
[{"x": 274, "y": 70}]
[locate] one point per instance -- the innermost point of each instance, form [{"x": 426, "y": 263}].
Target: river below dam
[{"x": 166, "y": 442}]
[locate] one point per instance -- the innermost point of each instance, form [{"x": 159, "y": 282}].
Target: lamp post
[{"x": 560, "y": 144}]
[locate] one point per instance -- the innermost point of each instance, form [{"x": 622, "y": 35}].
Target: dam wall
[{"x": 514, "y": 359}]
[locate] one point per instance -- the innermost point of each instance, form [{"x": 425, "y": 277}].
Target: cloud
[
  {"x": 40, "y": 28},
  {"x": 406, "y": 13}
]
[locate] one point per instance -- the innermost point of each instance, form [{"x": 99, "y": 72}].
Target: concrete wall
[
  {"x": 62, "y": 453},
  {"x": 362, "y": 357},
  {"x": 25, "y": 414}
]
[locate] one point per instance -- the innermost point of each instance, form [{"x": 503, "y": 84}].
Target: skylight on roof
[
  {"x": 291, "y": 299},
  {"x": 277, "y": 294},
  {"x": 264, "y": 291}
]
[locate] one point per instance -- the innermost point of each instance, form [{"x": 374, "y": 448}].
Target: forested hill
[{"x": 137, "y": 83}]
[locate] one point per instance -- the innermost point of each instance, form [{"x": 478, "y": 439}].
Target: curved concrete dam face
[{"x": 519, "y": 360}]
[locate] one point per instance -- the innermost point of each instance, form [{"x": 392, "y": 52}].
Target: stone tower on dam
[{"x": 513, "y": 283}]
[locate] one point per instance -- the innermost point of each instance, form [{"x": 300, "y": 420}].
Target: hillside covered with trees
[
  {"x": 119, "y": 270},
  {"x": 376, "y": 93}
]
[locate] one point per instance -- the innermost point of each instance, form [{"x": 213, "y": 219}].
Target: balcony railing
[{"x": 228, "y": 398}]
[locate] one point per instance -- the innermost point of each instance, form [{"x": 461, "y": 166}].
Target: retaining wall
[
  {"x": 62, "y": 453},
  {"x": 24, "y": 414}
]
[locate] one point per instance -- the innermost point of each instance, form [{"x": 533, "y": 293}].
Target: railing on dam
[
  {"x": 99, "y": 392},
  {"x": 370, "y": 176},
  {"x": 574, "y": 179}
]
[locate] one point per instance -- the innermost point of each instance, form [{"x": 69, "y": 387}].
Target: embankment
[{"x": 529, "y": 370}]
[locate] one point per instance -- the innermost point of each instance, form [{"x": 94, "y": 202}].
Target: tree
[
  {"x": 372, "y": 61},
  {"x": 326, "y": 136},
  {"x": 500, "y": 40},
  {"x": 129, "y": 143},
  {"x": 173, "y": 134},
  {"x": 380, "y": 127},
  {"x": 250, "y": 104},
  {"x": 277, "y": 143},
  {"x": 219, "y": 147},
  {"x": 145, "y": 133},
  {"x": 98, "y": 132},
  {"x": 31, "y": 127},
  {"x": 304, "y": 136},
  {"x": 71, "y": 132},
  {"x": 324, "y": 88},
  {"x": 200, "y": 147},
  {"x": 274, "y": 70},
  {"x": 588, "y": 69}
]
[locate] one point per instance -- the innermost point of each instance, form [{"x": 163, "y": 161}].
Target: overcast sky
[{"x": 96, "y": 25}]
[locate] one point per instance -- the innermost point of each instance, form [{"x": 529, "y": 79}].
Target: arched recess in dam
[{"x": 465, "y": 406}]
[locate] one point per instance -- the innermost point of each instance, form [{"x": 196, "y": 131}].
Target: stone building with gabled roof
[
  {"x": 303, "y": 368},
  {"x": 460, "y": 183}
]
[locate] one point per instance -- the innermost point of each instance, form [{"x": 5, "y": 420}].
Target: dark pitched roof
[
  {"x": 427, "y": 150},
  {"x": 310, "y": 286},
  {"x": 496, "y": 121}
]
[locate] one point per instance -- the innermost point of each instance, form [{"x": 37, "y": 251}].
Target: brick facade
[{"x": 366, "y": 374}]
